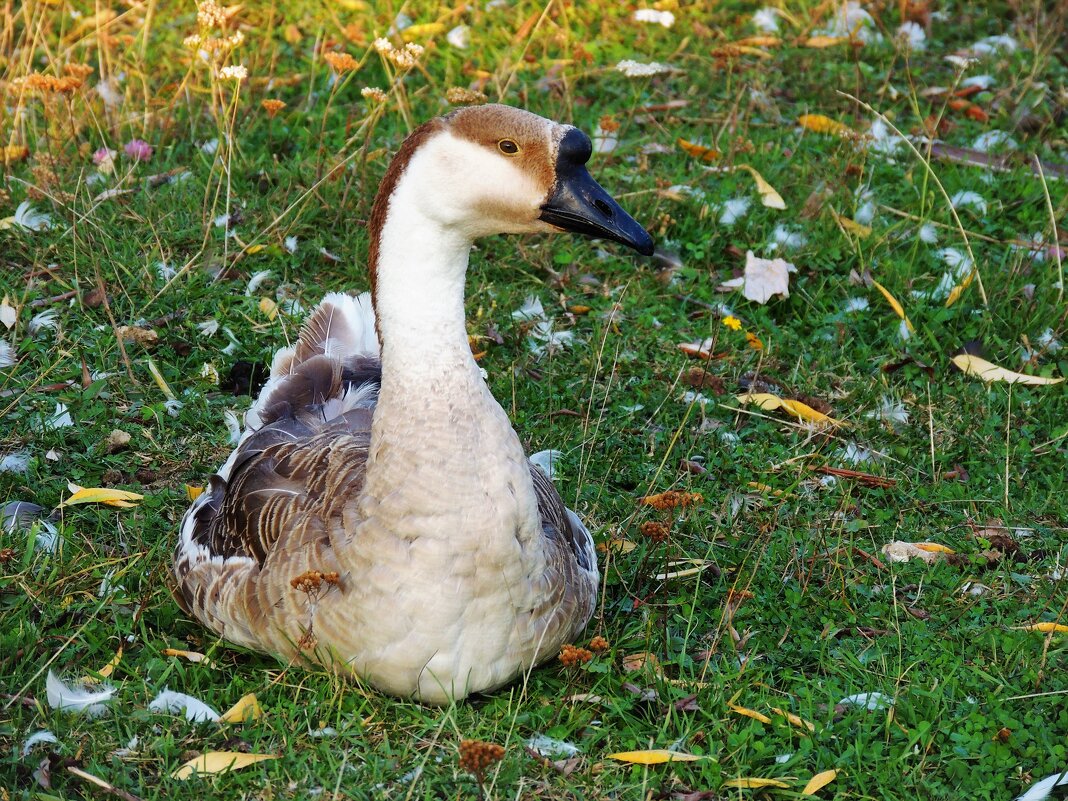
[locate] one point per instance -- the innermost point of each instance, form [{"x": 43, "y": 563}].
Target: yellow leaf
[
  {"x": 1045, "y": 627},
  {"x": 803, "y": 411},
  {"x": 193, "y": 656},
  {"x": 424, "y": 31},
  {"x": 817, "y": 123},
  {"x": 108, "y": 669},
  {"x": 251, "y": 249},
  {"x": 292, "y": 34},
  {"x": 192, "y": 493},
  {"x": 819, "y": 781},
  {"x": 735, "y": 50},
  {"x": 656, "y": 756},
  {"x": 933, "y": 547},
  {"x": 9, "y": 154},
  {"x": 852, "y": 226},
  {"x": 899, "y": 310},
  {"x": 157, "y": 376},
  {"x": 768, "y": 196},
  {"x": 633, "y": 662},
  {"x": 759, "y": 41},
  {"x": 958, "y": 290},
  {"x": 752, "y": 784},
  {"x": 111, "y": 497},
  {"x": 219, "y": 762},
  {"x": 700, "y": 565},
  {"x": 246, "y": 709},
  {"x": 989, "y": 372},
  {"x": 749, "y": 713},
  {"x": 698, "y": 151},
  {"x": 800, "y": 723},
  {"x": 269, "y": 308},
  {"x": 820, "y": 42},
  {"x": 618, "y": 544}
]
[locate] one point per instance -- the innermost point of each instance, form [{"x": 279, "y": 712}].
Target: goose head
[{"x": 492, "y": 169}]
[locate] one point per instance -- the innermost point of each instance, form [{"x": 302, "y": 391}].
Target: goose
[{"x": 379, "y": 516}]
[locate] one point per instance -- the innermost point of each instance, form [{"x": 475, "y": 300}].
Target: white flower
[
  {"x": 233, "y": 72},
  {"x": 734, "y": 210},
  {"x": 766, "y": 20},
  {"x": 664, "y": 18},
  {"x": 459, "y": 37},
  {"x": 636, "y": 69},
  {"x": 382, "y": 45},
  {"x": 911, "y": 34},
  {"x": 41, "y": 321},
  {"x": 30, "y": 219},
  {"x": 76, "y": 699}
]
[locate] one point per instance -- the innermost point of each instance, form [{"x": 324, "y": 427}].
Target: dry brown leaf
[
  {"x": 656, "y": 756},
  {"x": 990, "y": 372},
  {"x": 635, "y": 662},
  {"x": 759, "y": 41},
  {"x": 219, "y": 762},
  {"x": 819, "y": 781}
]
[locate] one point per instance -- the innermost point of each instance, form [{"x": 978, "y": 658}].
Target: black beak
[{"x": 578, "y": 203}]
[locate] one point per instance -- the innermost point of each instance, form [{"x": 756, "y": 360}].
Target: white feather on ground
[
  {"x": 196, "y": 711},
  {"x": 77, "y": 699}
]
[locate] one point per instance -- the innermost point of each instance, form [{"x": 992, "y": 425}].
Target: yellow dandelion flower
[{"x": 732, "y": 322}]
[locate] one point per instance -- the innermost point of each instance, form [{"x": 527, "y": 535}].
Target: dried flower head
[
  {"x": 599, "y": 644},
  {"x": 49, "y": 84},
  {"x": 373, "y": 93},
  {"x": 477, "y": 755},
  {"x": 210, "y": 15},
  {"x": 402, "y": 58},
  {"x": 192, "y": 41},
  {"x": 672, "y": 499},
  {"x": 654, "y": 531},
  {"x": 383, "y": 45},
  {"x": 459, "y": 96},
  {"x": 272, "y": 106},
  {"x": 233, "y": 72},
  {"x": 312, "y": 580},
  {"x": 79, "y": 71},
  {"x": 415, "y": 49},
  {"x": 572, "y": 656},
  {"x": 340, "y": 62}
]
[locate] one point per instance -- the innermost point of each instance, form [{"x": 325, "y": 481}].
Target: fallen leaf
[
  {"x": 759, "y": 41},
  {"x": 192, "y": 493},
  {"x": 989, "y": 372},
  {"x": 423, "y": 31},
  {"x": 735, "y": 50},
  {"x": 634, "y": 662},
  {"x": 8, "y": 315},
  {"x": 193, "y": 656},
  {"x": 111, "y": 497},
  {"x": 819, "y": 781},
  {"x": 1045, "y": 627},
  {"x": 700, "y": 565},
  {"x": 822, "y": 42},
  {"x": 764, "y": 278},
  {"x": 933, "y": 547},
  {"x": 852, "y": 226},
  {"x": 752, "y": 784},
  {"x": 899, "y": 310},
  {"x": 106, "y": 671},
  {"x": 800, "y": 723},
  {"x": 269, "y": 308},
  {"x": 618, "y": 545},
  {"x": 899, "y": 551},
  {"x": 698, "y": 151},
  {"x": 161, "y": 382},
  {"x": 817, "y": 123},
  {"x": 219, "y": 762},
  {"x": 246, "y": 709},
  {"x": 749, "y": 713},
  {"x": 698, "y": 350},
  {"x": 656, "y": 756},
  {"x": 768, "y": 196},
  {"x": 9, "y": 154},
  {"x": 770, "y": 403}
]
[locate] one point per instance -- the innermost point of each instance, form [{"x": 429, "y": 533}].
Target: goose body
[{"x": 379, "y": 515}]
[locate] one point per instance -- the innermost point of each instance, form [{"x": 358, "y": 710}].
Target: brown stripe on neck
[{"x": 380, "y": 209}]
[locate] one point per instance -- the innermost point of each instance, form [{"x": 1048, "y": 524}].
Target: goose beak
[{"x": 577, "y": 203}]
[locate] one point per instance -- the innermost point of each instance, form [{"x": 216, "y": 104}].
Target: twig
[
  {"x": 863, "y": 478},
  {"x": 36, "y": 304},
  {"x": 125, "y": 795}
]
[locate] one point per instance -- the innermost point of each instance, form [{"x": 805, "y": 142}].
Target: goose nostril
[{"x": 603, "y": 207}]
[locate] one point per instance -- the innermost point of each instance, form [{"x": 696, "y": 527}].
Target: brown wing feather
[{"x": 558, "y": 524}]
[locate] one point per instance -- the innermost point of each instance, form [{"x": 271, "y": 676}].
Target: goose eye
[{"x": 508, "y": 147}]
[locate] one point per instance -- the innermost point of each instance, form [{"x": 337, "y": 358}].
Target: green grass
[{"x": 978, "y": 704}]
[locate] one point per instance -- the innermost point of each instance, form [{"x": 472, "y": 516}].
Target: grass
[{"x": 795, "y": 609}]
